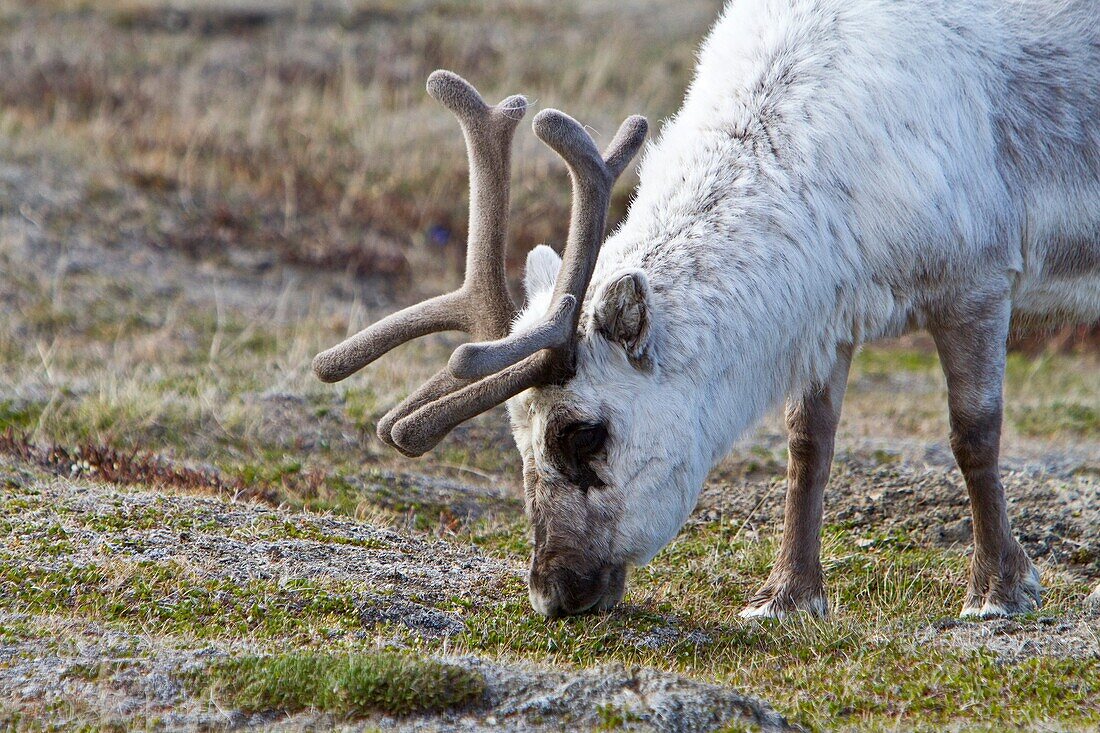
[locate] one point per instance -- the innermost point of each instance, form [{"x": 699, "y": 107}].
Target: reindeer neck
[{"x": 746, "y": 306}]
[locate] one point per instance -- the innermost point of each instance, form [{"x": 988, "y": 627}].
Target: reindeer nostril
[{"x": 543, "y": 604}]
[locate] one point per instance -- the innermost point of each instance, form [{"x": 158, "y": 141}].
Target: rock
[
  {"x": 955, "y": 533},
  {"x": 642, "y": 699}
]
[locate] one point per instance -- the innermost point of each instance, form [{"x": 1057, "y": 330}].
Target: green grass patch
[
  {"x": 133, "y": 419},
  {"x": 20, "y": 416},
  {"x": 168, "y": 597},
  {"x": 504, "y": 538},
  {"x": 361, "y": 406},
  {"x": 343, "y": 684},
  {"x": 884, "y": 360},
  {"x": 1056, "y": 418},
  {"x": 293, "y": 485},
  {"x": 863, "y": 668}
]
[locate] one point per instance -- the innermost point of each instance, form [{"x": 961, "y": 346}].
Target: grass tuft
[
  {"x": 348, "y": 685},
  {"x": 1068, "y": 417}
]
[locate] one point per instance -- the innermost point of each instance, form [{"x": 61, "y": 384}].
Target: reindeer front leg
[
  {"x": 971, "y": 343},
  {"x": 795, "y": 582}
]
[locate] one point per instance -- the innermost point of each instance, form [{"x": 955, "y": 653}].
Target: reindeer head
[
  {"x": 578, "y": 387},
  {"x": 610, "y": 472}
]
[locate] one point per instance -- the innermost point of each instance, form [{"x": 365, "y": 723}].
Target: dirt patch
[
  {"x": 1055, "y": 513},
  {"x": 1014, "y": 641},
  {"x": 241, "y": 541}
]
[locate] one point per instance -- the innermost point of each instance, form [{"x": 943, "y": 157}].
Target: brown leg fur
[
  {"x": 972, "y": 351},
  {"x": 795, "y": 582}
]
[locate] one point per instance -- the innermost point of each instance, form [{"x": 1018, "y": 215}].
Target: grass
[
  {"x": 347, "y": 685},
  {"x": 863, "y": 669},
  {"x": 882, "y": 363},
  {"x": 18, "y": 416},
  {"x": 174, "y": 600},
  {"x": 208, "y": 132},
  {"x": 1049, "y": 396},
  {"x": 156, "y": 386},
  {"x": 877, "y": 661},
  {"x": 1069, "y": 417},
  {"x": 275, "y": 150}
]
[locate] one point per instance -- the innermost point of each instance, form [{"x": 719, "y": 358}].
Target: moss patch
[{"x": 345, "y": 684}]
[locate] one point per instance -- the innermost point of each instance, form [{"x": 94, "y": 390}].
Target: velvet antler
[
  {"x": 545, "y": 352},
  {"x": 485, "y": 374},
  {"x": 593, "y": 178}
]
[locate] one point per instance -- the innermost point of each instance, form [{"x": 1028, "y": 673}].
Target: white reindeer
[{"x": 841, "y": 171}]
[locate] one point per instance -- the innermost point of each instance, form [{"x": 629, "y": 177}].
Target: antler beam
[{"x": 482, "y": 307}]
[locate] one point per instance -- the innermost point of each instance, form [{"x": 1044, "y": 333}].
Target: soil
[{"x": 1055, "y": 510}]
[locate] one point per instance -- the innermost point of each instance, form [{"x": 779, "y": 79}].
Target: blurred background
[
  {"x": 196, "y": 197},
  {"x": 301, "y": 130}
]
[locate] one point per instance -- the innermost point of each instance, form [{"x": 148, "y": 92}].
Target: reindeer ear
[
  {"x": 623, "y": 314},
  {"x": 543, "y": 264}
]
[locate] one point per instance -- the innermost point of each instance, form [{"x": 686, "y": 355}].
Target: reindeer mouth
[{"x": 574, "y": 594}]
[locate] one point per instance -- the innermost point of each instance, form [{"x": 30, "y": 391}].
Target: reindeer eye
[
  {"x": 573, "y": 448},
  {"x": 585, "y": 439}
]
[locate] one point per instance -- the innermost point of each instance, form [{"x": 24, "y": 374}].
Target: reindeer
[{"x": 839, "y": 172}]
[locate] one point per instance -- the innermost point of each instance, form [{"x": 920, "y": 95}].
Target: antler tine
[
  {"x": 482, "y": 306},
  {"x": 421, "y": 430},
  {"x": 442, "y": 313},
  {"x": 488, "y": 132},
  {"x": 553, "y": 330},
  {"x": 440, "y": 385},
  {"x": 546, "y": 351},
  {"x": 593, "y": 177}
]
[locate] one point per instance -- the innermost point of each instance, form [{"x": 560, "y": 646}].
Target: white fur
[
  {"x": 838, "y": 170},
  {"x": 774, "y": 609},
  {"x": 542, "y": 268}
]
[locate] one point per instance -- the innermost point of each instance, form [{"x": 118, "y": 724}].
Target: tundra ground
[{"x": 196, "y": 533}]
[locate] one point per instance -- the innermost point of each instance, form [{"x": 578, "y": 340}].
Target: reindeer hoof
[
  {"x": 780, "y": 600},
  {"x": 1013, "y": 591}
]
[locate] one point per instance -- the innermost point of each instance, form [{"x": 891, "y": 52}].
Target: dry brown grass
[
  {"x": 307, "y": 132},
  {"x": 127, "y": 468}
]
